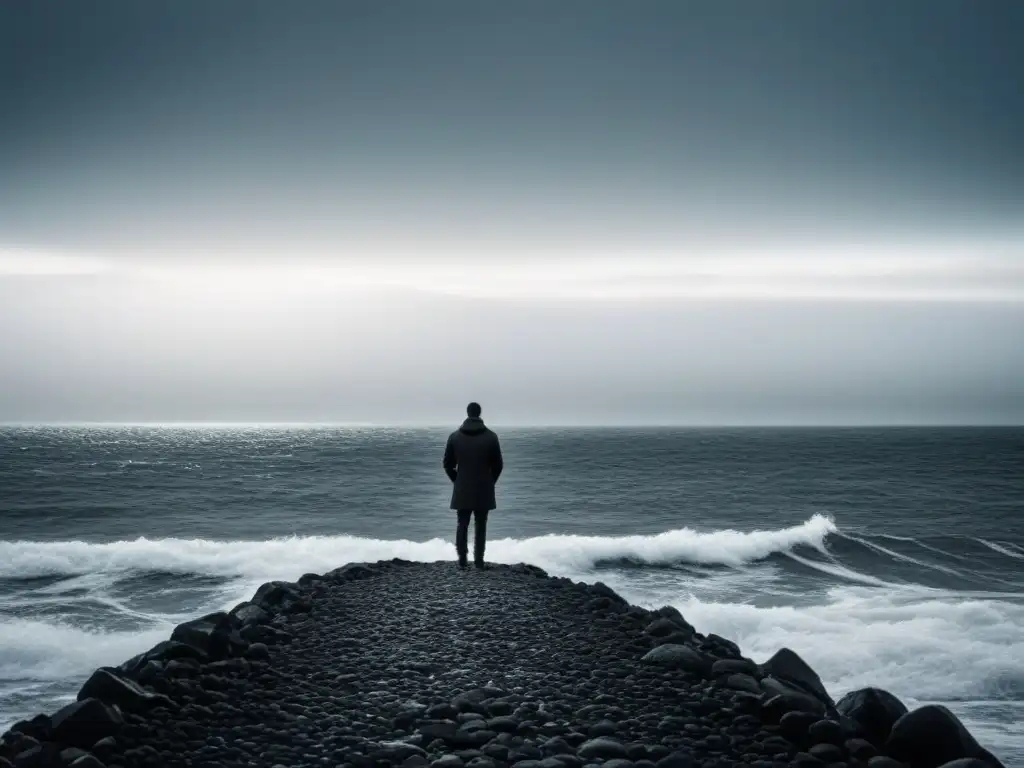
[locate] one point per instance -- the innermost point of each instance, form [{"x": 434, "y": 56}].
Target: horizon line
[{"x": 547, "y": 425}]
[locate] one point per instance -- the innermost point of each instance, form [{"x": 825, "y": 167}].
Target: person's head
[{"x": 473, "y": 410}]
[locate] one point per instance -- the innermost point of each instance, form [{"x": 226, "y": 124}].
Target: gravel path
[{"x": 416, "y": 664}]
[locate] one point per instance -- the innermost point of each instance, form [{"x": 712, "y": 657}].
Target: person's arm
[
  {"x": 449, "y": 460},
  {"x": 497, "y": 463}
]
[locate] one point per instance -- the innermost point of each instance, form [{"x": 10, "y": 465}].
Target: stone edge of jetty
[{"x": 867, "y": 727}]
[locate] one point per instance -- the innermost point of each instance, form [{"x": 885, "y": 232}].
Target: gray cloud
[{"x": 700, "y": 212}]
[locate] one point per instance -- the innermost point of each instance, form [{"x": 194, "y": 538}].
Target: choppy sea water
[{"x": 884, "y": 557}]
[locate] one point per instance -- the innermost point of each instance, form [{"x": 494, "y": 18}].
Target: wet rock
[
  {"x": 210, "y": 634},
  {"x": 725, "y": 667},
  {"x": 602, "y": 728},
  {"x": 677, "y": 760},
  {"x": 678, "y": 657},
  {"x": 442, "y": 712},
  {"x": 71, "y": 754},
  {"x": 556, "y": 746},
  {"x": 107, "y": 686},
  {"x": 83, "y": 723},
  {"x": 351, "y": 572},
  {"x": 805, "y": 760},
  {"x": 776, "y": 707},
  {"x": 661, "y": 627},
  {"x": 794, "y": 726},
  {"x": 861, "y": 749},
  {"x": 249, "y": 613},
  {"x": 739, "y": 681},
  {"x": 786, "y": 665},
  {"x": 472, "y": 700},
  {"x": 257, "y": 651},
  {"x": 503, "y": 724},
  {"x": 87, "y": 761},
  {"x": 884, "y": 761},
  {"x": 395, "y": 751},
  {"x": 39, "y": 756},
  {"x": 439, "y": 729},
  {"x": 931, "y": 736},
  {"x": 603, "y": 748},
  {"x": 827, "y": 753},
  {"x": 875, "y": 710},
  {"x": 826, "y": 732}
]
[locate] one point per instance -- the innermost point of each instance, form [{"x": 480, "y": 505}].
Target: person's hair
[{"x": 473, "y": 410}]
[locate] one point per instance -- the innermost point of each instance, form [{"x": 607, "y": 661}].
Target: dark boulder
[
  {"x": 444, "y": 730},
  {"x": 350, "y": 572},
  {"x": 395, "y": 751},
  {"x": 211, "y": 634},
  {"x": 248, "y": 613},
  {"x": 787, "y": 666},
  {"x": 932, "y": 736},
  {"x": 531, "y": 570},
  {"x": 602, "y": 748},
  {"x": 71, "y": 754},
  {"x": 875, "y": 710},
  {"x": 679, "y": 657},
  {"x": 661, "y": 627},
  {"x": 670, "y": 612},
  {"x": 723, "y": 667},
  {"x": 724, "y": 647},
  {"x": 605, "y": 591},
  {"x": 826, "y": 732},
  {"x": 277, "y": 596},
  {"x": 860, "y": 749},
  {"x": 776, "y": 707},
  {"x": 40, "y": 756},
  {"x": 677, "y": 760},
  {"x": 472, "y": 700},
  {"x": 794, "y": 725},
  {"x": 884, "y": 761},
  {"x": 87, "y": 761},
  {"x": 257, "y": 651},
  {"x": 827, "y": 753},
  {"x": 742, "y": 682},
  {"x": 165, "y": 650},
  {"x": 83, "y": 723},
  {"x": 773, "y": 686},
  {"x": 107, "y": 686},
  {"x": 39, "y": 727}
]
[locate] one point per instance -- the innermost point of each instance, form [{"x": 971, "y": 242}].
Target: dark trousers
[{"x": 479, "y": 530}]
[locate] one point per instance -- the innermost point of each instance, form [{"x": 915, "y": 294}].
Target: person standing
[{"x": 473, "y": 462}]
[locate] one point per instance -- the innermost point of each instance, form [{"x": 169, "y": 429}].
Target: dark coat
[{"x": 472, "y": 460}]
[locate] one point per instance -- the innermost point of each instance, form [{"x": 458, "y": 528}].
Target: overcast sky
[{"x": 717, "y": 212}]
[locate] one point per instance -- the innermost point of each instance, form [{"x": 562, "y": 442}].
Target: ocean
[{"x": 889, "y": 557}]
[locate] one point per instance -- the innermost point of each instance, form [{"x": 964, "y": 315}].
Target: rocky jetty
[{"x": 420, "y": 664}]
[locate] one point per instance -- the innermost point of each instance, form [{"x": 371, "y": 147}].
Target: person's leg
[
  {"x": 462, "y": 536},
  {"x": 480, "y": 536}
]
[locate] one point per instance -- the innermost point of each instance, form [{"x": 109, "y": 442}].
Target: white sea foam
[
  {"x": 33, "y": 650},
  {"x": 1002, "y": 549},
  {"x": 280, "y": 558}
]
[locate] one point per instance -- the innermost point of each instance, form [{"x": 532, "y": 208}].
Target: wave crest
[{"x": 279, "y": 558}]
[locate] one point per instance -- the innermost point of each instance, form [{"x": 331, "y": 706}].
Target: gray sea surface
[{"x": 890, "y": 557}]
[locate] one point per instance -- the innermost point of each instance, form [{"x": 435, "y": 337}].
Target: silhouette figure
[{"x": 472, "y": 461}]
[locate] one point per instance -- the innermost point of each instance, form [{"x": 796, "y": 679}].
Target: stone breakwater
[{"x": 415, "y": 665}]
